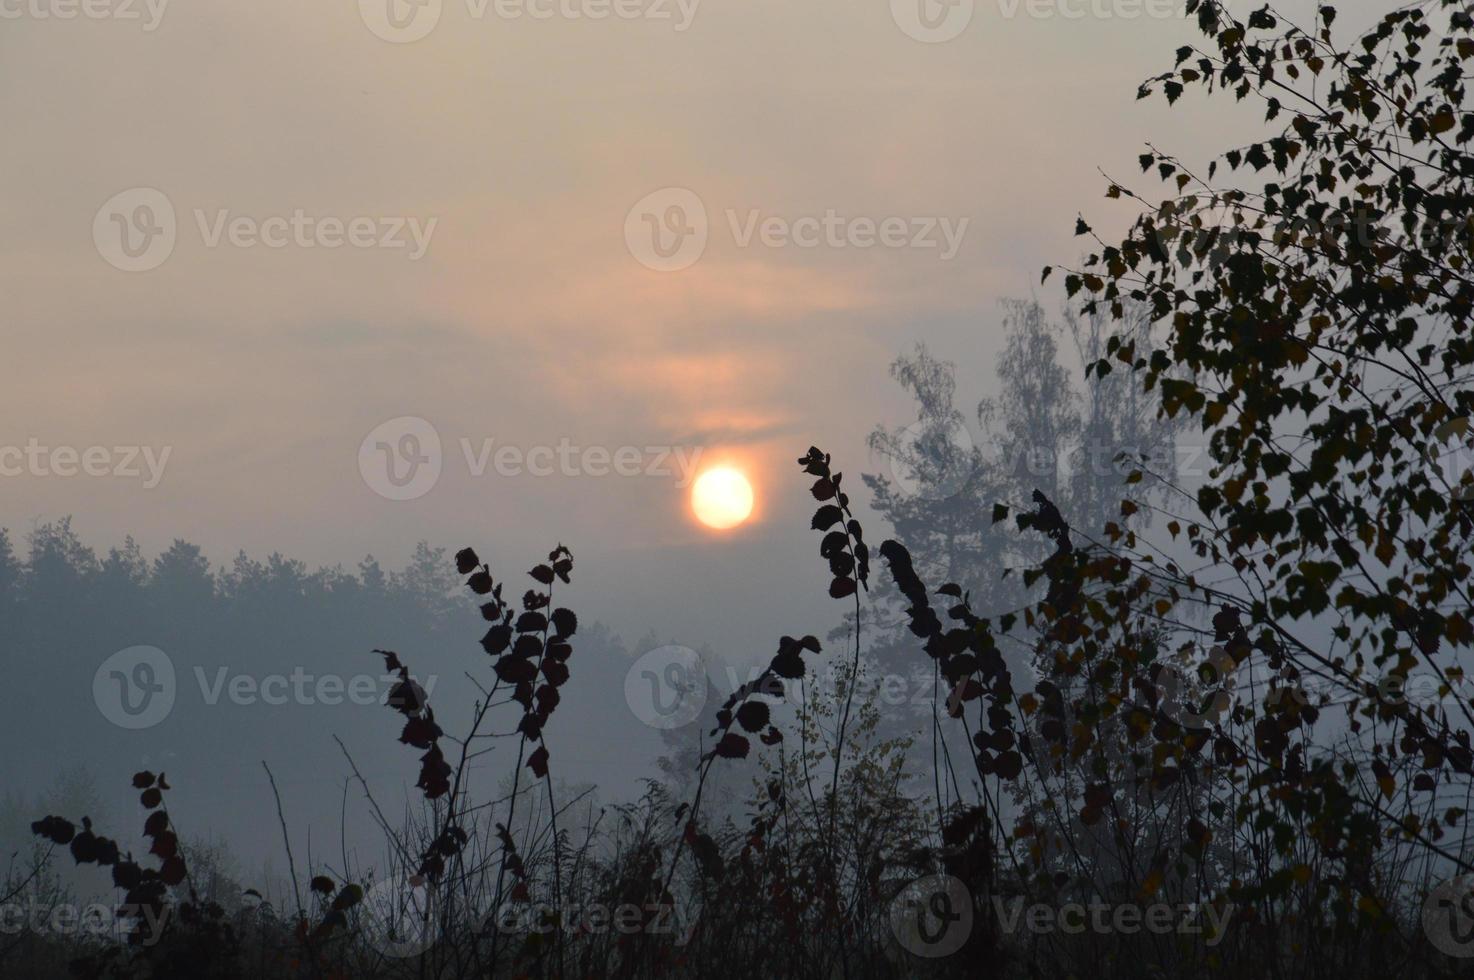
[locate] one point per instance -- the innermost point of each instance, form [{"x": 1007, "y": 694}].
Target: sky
[{"x": 832, "y": 183}]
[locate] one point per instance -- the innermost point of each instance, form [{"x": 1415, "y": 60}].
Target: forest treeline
[{"x": 67, "y": 608}]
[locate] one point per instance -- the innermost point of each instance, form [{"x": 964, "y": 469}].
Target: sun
[{"x": 721, "y": 498}]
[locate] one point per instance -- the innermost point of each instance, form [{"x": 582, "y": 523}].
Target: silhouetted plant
[{"x": 163, "y": 938}]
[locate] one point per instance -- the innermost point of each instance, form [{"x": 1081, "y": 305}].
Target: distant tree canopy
[
  {"x": 1313, "y": 323},
  {"x": 1223, "y": 711},
  {"x": 60, "y": 574},
  {"x": 64, "y": 610},
  {"x": 1042, "y": 429}
]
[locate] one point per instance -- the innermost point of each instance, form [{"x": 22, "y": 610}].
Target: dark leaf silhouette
[
  {"x": 732, "y": 746},
  {"x": 826, "y": 517},
  {"x": 841, "y": 587},
  {"x": 538, "y": 762},
  {"x": 497, "y": 639},
  {"x": 753, "y": 715},
  {"x": 565, "y": 623},
  {"x": 466, "y": 561}
]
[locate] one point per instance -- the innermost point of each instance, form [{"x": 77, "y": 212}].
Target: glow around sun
[{"x": 721, "y": 498}]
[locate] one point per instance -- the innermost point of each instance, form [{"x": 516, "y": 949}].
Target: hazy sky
[{"x": 517, "y": 146}]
